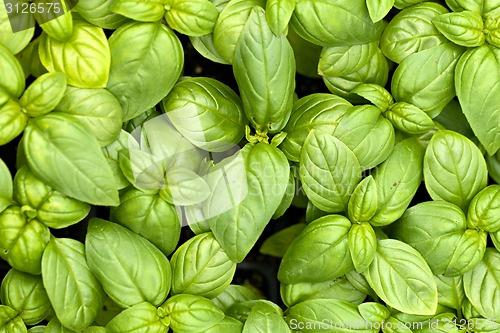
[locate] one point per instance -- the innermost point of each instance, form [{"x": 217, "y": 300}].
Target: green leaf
[
  {"x": 97, "y": 109},
  {"x": 15, "y": 42},
  {"x": 362, "y": 245},
  {"x": 191, "y": 17},
  {"x": 140, "y": 79},
  {"x": 484, "y": 210},
  {"x": 378, "y": 9},
  {"x": 376, "y": 94},
  {"x": 141, "y": 317},
  {"x": 464, "y": 28},
  {"x": 84, "y": 58},
  {"x": 468, "y": 252},
  {"x": 6, "y": 189},
  {"x": 74, "y": 292},
  {"x": 238, "y": 213},
  {"x": 98, "y": 12},
  {"x": 329, "y": 171},
  {"x": 373, "y": 312},
  {"x": 142, "y": 11},
  {"x": 363, "y": 202},
  {"x": 320, "y": 253},
  {"x": 130, "y": 268},
  {"x": 315, "y": 111},
  {"x": 149, "y": 216},
  {"x": 432, "y": 89},
  {"x": 367, "y": 133},
  {"x": 184, "y": 187},
  {"x": 226, "y": 325},
  {"x": 43, "y": 94},
  {"x": 450, "y": 291},
  {"x": 59, "y": 28},
  {"x": 69, "y": 159},
  {"x": 482, "y": 284},
  {"x": 287, "y": 200},
  {"x": 111, "y": 153},
  {"x": 54, "y": 326},
  {"x": 9, "y": 320},
  {"x": 352, "y": 26},
  {"x": 469, "y": 5},
  {"x": 25, "y": 293},
  {"x": 343, "y": 60},
  {"x": 206, "y": 112},
  {"x": 277, "y": 244},
  {"x": 454, "y": 168},
  {"x": 11, "y": 73},
  {"x": 29, "y": 59},
  {"x": 409, "y": 118},
  {"x": 201, "y": 267},
  {"x": 190, "y": 313},
  {"x": 278, "y": 15},
  {"x": 306, "y": 55},
  {"x": 265, "y": 318},
  {"x": 479, "y": 99},
  {"x": 492, "y": 28},
  {"x": 12, "y": 120},
  {"x": 235, "y": 294},
  {"x": 320, "y": 315},
  {"x": 398, "y": 179},
  {"x": 402, "y": 279},
  {"x": 264, "y": 68},
  {"x": 412, "y": 31}
]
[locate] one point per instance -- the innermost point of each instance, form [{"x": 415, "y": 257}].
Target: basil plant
[{"x": 348, "y": 148}]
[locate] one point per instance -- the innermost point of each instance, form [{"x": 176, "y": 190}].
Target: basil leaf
[
  {"x": 130, "y": 269},
  {"x": 84, "y": 58},
  {"x": 278, "y": 15},
  {"x": 11, "y": 73},
  {"x": 464, "y": 28},
  {"x": 143, "y": 11},
  {"x": 226, "y": 325},
  {"x": 141, "y": 317},
  {"x": 286, "y": 202},
  {"x": 433, "y": 89},
  {"x": 78, "y": 170},
  {"x": 140, "y": 79},
  {"x": 97, "y": 109},
  {"x": 398, "y": 179},
  {"x": 22, "y": 242},
  {"x": 111, "y": 153},
  {"x": 54, "y": 326},
  {"x": 343, "y": 60},
  {"x": 220, "y": 120},
  {"x": 191, "y": 17},
  {"x": 409, "y": 118},
  {"x": 468, "y": 252},
  {"x": 235, "y": 294},
  {"x": 266, "y": 172},
  {"x": 25, "y": 293},
  {"x": 480, "y": 106},
  {"x": 30, "y": 60},
  {"x": 265, "y": 318},
  {"x": 15, "y": 42},
  {"x": 10, "y": 321},
  {"x": 184, "y": 187},
  {"x": 320, "y": 253},
  {"x": 329, "y": 171},
  {"x": 340, "y": 288},
  {"x": 492, "y": 28},
  {"x": 378, "y": 9},
  {"x": 306, "y": 55},
  {"x": 482, "y": 283},
  {"x": 59, "y": 28},
  {"x": 484, "y": 210},
  {"x": 362, "y": 245},
  {"x": 398, "y": 270},
  {"x": 367, "y": 134},
  {"x": 373, "y": 312},
  {"x": 469, "y": 5},
  {"x": 311, "y": 21},
  {"x": 363, "y": 201},
  {"x": 321, "y": 315},
  {"x": 316, "y": 111},
  {"x": 277, "y": 244},
  {"x": 412, "y": 31},
  {"x": 454, "y": 168},
  {"x": 43, "y": 94},
  {"x": 201, "y": 267},
  {"x": 98, "y": 12},
  {"x": 190, "y": 313},
  {"x": 149, "y": 216},
  {"x": 264, "y": 68},
  {"x": 450, "y": 291},
  {"x": 376, "y": 94},
  {"x": 6, "y": 189},
  {"x": 12, "y": 120},
  {"x": 75, "y": 294}
]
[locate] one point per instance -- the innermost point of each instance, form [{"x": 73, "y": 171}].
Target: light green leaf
[
  {"x": 479, "y": 98},
  {"x": 68, "y": 158},
  {"x": 264, "y": 68},
  {"x": 43, "y": 94},
  {"x": 484, "y": 210},
  {"x": 398, "y": 179},
  {"x": 14, "y": 41},
  {"x": 184, "y": 187},
  {"x": 191, "y": 17},
  {"x": 277, "y": 244},
  {"x": 11, "y": 73},
  {"x": 59, "y": 28},
  {"x": 111, "y": 153},
  {"x": 190, "y": 313},
  {"x": 492, "y": 28},
  {"x": 363, "y": 202},
  {"x": 373, "y": 312},
  {"x": 412, "y": 31},
  {"x": 137, "y": 10},
  {"x": 464, "y": 28},
  {"x": 482, "y": 284},
  {"x": 450, "y": 291},
  {"x": 409, "y": 118},
  {"x": 130, "y": 268},
  {"x": 140, "y": 79},
  {"x": 30, "y": 59},
  {"x": 235, "y": 294},
  {"x": 12, "y": 121},
  {"x": 141, "y": 317},
  {"x": 10, "y": 321},
  {"x": 98, "y": 13},
  {"x": 6, "y": 188},
  {"x": 306, "y": 55},
  {"x": 74, "y": 292},
  {"x": 287, "y": 200},
  {"x": 97, "y": 109},
  {"x": 378, "y": 9},
  {"x": 278, "y": 15},
  {"x": 402, "y": 279},
  {"x": 468, "y": 252},
  {"x": 343, "y": 60},
  {"x": 454, "y": 168},
  {"x": 226, "y": 325},
  {"x": 320, "y": 253},
  {"x": 329, "y": 171},
  {"x": 201, "y": 267},
  {"x": 376, "y": 94},
  {"x": 362, "y": 245},
  {"x": 84, "y": 58},
  {"x": 433, "y": 88},
  {"x": 265, "y": 318}
]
